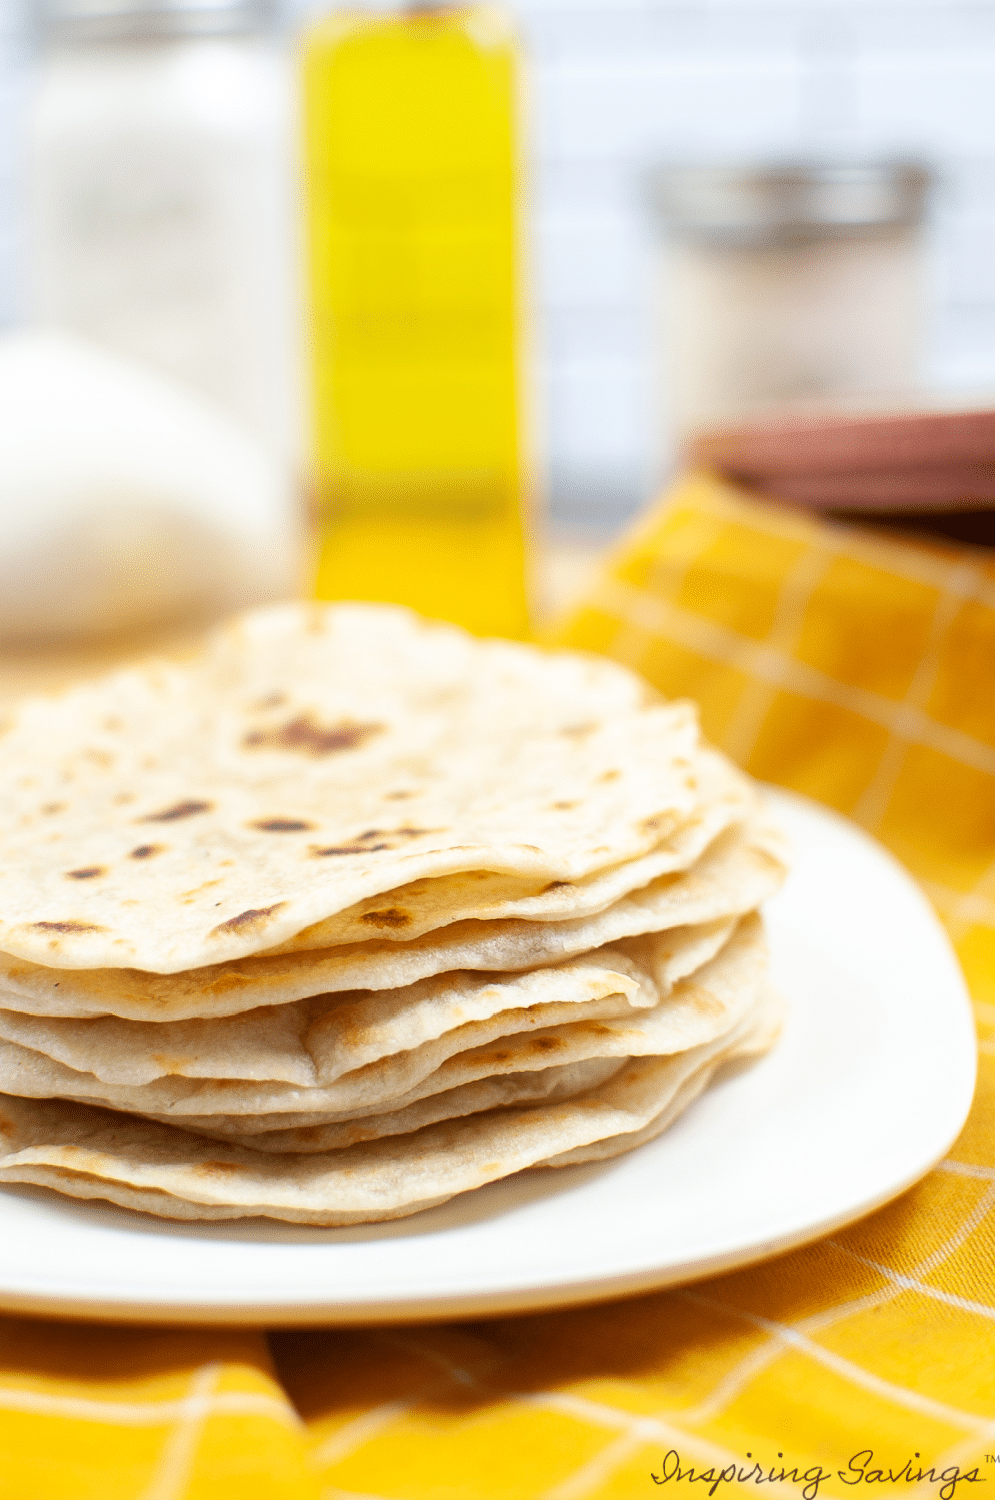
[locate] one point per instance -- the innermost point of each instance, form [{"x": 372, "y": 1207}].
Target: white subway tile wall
[{"x": 618, "y": 86}]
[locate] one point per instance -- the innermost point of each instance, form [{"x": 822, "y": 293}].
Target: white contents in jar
[{"x": 163, "y": 215}]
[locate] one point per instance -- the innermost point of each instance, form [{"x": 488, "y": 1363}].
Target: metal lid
[
  {"x": 147, "y": 20},
  {"x": 788, "y": 204}
]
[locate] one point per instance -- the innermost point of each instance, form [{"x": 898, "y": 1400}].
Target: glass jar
[
  {"x": 788, "y": 284},
  {"x": 162, "y": 197}
]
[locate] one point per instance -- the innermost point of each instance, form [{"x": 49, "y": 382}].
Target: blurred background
[
  {"x": 653, "y": 218},
  {"x": 616, "y": 87}
]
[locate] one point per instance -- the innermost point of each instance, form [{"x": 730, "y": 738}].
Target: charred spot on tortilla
[
  {"x": 349, "y": 849},
  {"x": 179, "y": 810},
  {"x": 372, "y": 841},
  {"x": 89, "y": 872},
  {"x": 251, "y": 920},
  {"x": 392, "y": 916},
  {"x": 146, "y": 851},
  {"x": 69, "y": 926},
  {"x": 281, "y": 825},
  {"x": 304, "y": 736}
]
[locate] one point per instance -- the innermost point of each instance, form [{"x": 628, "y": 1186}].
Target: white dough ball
[{"x": 126, "y": 501}]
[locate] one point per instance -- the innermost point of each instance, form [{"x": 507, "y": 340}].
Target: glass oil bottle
[{"x": 412, "y": 186}]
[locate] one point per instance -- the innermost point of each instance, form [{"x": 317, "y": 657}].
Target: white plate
[{"x": 866, "y": 1090}]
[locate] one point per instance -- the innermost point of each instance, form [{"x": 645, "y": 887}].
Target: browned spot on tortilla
[
  {"x": 271, "y": 700},
  {"x": 398, "y": 796},
  {"x": 98, "y": 757},
  {"x": 168, "y": 1062},
  {"x": 305, "y": 736},
  {"x": 188, "y": 896},
  {"x": 52, "y": 807},
  {"x": 349, "y": 849},
  {"x": 281, "y": 825},
  {"x": 227, "y": 981},
  {"x": 247, "y": 921},
  {"x": 556, "y": 885},
  {"x": 500, "y": 1056},
  {"x": 146, "y": 851},
  {"x": 179, "y": 810},
  {"x": 89, "y": 872},
  {"x": 577, "y": 731},
  {"x": 7, "y": 1126},
  {"x": 121, "y": 798},
  {"x": 562, "y": 806},
  {"x": 609, "y": 776},
  {"x": 70, "y": 926},
  {"x": 545, "y": 1043},
  {"x": 111, "y": 723},
  {"x": 650, "y": 825},
  {"x": 371, "y": 841},
  {"x": 392, "y": 916},
  {"x": 211, "y": 1168},
  {"x": 600, "y": 1030}
]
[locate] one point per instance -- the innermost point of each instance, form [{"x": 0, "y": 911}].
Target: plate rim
[{"x": 614, "y": 1288}]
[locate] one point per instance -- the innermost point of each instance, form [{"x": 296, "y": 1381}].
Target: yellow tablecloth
[{"x": 856, "y": 670}]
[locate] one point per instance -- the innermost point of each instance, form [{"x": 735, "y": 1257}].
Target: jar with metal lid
[
  {"x": 789, "y": 284},
  {"x": 162, "y": 197}
]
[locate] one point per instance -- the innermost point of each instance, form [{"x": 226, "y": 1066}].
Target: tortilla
[
  {"x": 328, "y": 1035},
  {"x": 755, "y": 1035},
  {"x": 723, "y": 797},
  {"x": 354, "y": 912},
  {"x": 497, "y": 1092},
  {"x": 313, "y": 1042},
  {"x": 314, "y": 756},
  {"x": 697, "y": 1009},
  {"x": 735, "y": 874},
  {"x": 162, "y": 1170}
]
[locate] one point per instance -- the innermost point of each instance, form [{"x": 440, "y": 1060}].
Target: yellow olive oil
[{"x": 412, "y": 214}]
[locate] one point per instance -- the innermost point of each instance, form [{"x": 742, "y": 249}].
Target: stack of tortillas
[{"x": 355, "y": 913}]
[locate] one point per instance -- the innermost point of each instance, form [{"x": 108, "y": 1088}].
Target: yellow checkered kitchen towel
[{"x": 856, "y": 670}]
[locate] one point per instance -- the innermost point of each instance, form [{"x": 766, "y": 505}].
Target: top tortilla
[
  {"x": 723, "y": 796},
  {"x": 311, "y": 757}
]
